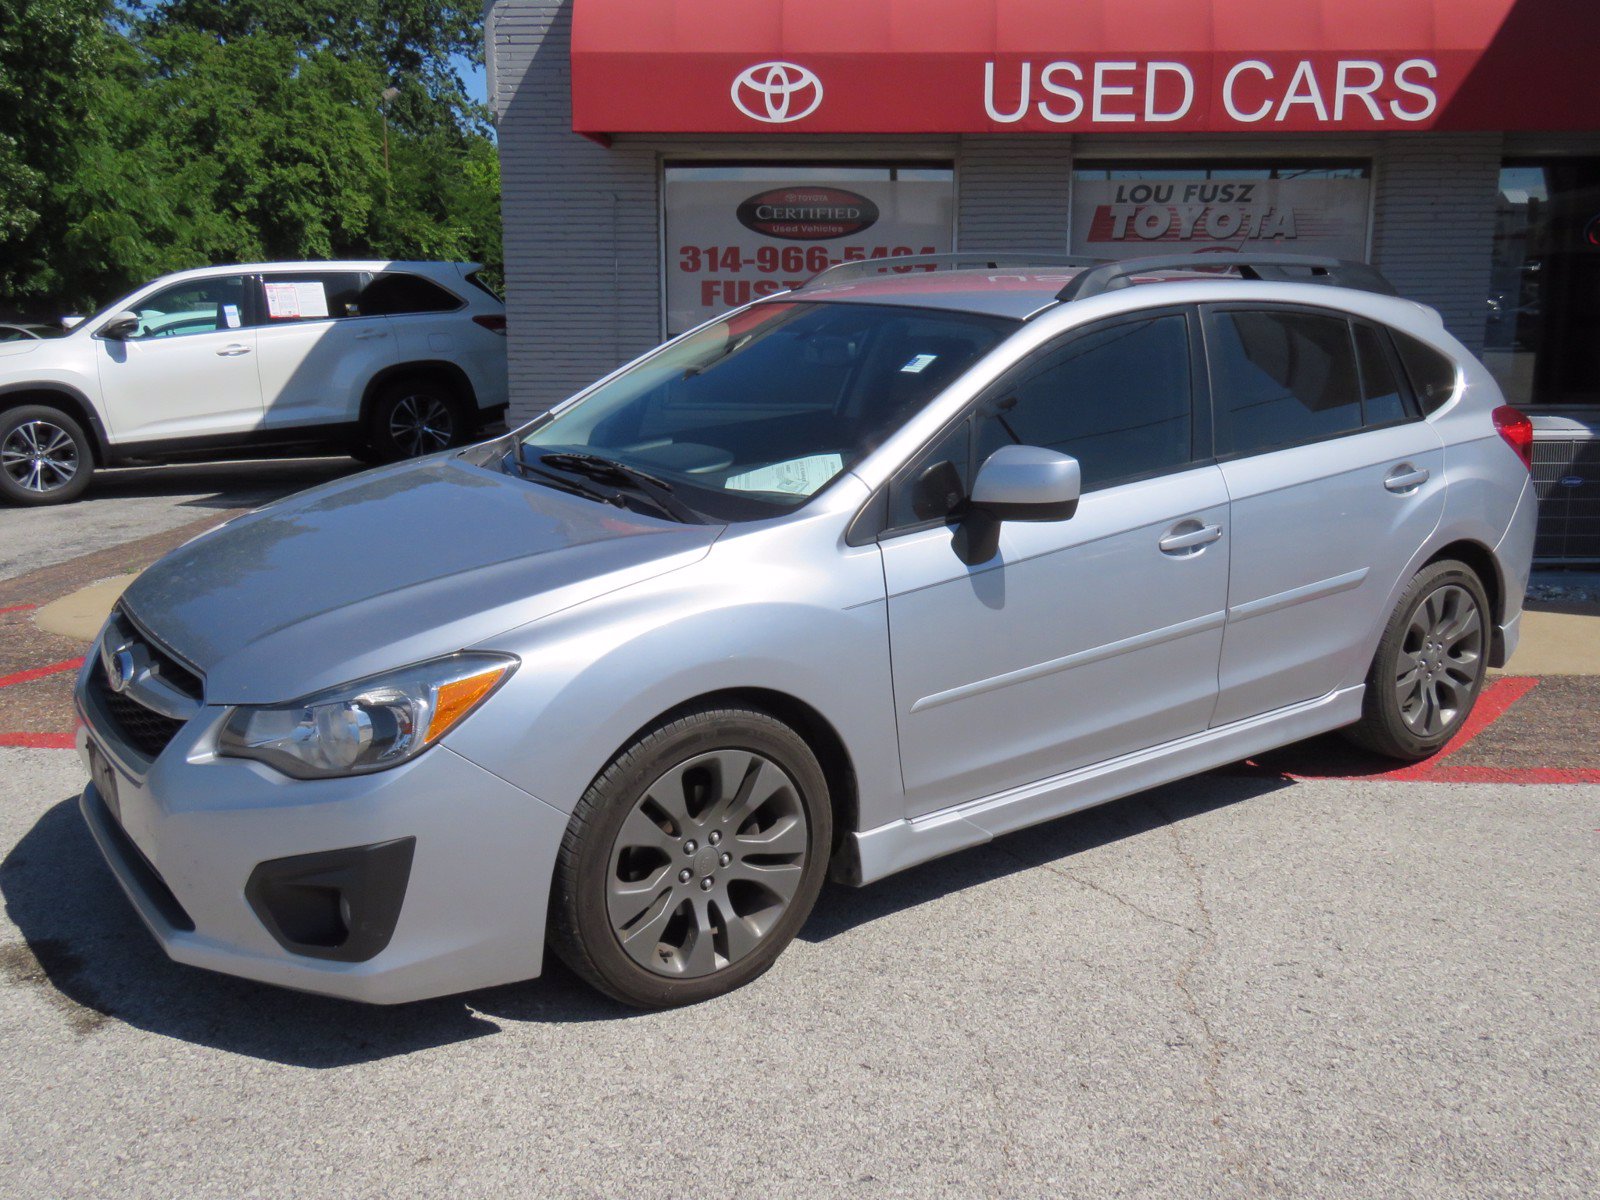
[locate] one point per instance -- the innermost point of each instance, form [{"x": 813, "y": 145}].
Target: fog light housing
[{"x": 341, "y": 905}]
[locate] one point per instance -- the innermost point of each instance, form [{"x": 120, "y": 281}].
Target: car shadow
[
  {"x": 243, "y": 483},
  {"x": 87, "y": 951}
]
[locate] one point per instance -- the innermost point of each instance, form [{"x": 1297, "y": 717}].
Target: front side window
[
  {"x": 184, "y": 309},
  {"x": 310, "y": 296},
  {"x": 1281, "y": 379},
  {"x": 752, "y": 415},
  {"x": 1118, "y": 399}
]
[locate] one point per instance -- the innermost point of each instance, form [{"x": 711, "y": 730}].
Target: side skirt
[{"x": 876, "y": 853}]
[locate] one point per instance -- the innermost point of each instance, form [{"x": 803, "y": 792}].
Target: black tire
[
  {"x": 412, "y": 417},
  {"x": 598, "y": 860},
  {"x": 1430, "y": 665},
  {"x": 44, "y": 456}
]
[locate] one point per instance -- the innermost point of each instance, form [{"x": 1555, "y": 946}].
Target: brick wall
[{"x": 1433, "y": 222}]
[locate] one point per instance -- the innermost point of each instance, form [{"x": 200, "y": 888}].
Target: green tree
[{"x": 197, "y": 132}]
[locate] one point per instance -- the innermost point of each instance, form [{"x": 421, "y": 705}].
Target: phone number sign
[{"x": 731, "y": 242}]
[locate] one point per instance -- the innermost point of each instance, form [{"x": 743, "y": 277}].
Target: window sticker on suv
[{"x": 301, "y": 298}]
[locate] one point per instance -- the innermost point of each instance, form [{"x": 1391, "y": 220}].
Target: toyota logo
[{"x": 776, "y": 92}]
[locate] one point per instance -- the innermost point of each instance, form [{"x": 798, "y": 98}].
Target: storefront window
[
  {"x": 1542, "y": 327},
  {"x": 1132, "y": 209},
  {"x": 738, "y": 231}
]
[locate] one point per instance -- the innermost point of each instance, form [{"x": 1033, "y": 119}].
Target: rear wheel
[
  {"x": 411, "y": 418},
  {"x": 693, "y": 859},
  {"x": 44, "y": 456},
  {"x": 1430, "y": 665}
]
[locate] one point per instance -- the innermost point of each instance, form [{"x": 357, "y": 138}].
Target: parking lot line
[
  {"x": 39, "y": 741},
  {"x": 16, "y": 608},
  {"x": 70, "y": 664}
]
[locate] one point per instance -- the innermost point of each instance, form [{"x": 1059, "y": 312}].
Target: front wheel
[
  {"x": 44, "y": 456},
  {"x": 1430, "y": 665},
  {"x": 693, "y": 859}
]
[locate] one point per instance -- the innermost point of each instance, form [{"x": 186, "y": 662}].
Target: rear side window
[
  {"x": 1281, "y": 379},
  {"x": 394, "y": 294},
  {"x": 310, "y": 296},
  {"x": 1432, "y": 374},
  {"x": 1118, "y": 399},
  {"x": 1382, "y": 400}
]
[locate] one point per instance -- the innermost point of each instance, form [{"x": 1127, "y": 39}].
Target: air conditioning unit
[{"x": 1566, "y": 474}]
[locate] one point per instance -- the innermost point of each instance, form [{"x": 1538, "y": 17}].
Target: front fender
[{"x": 595, "y": 676}]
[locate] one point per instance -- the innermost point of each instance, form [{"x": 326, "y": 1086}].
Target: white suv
[{"x": 385, "y": 360}]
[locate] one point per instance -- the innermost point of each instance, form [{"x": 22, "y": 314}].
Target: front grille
[
  {"x": 1566, "y": 476},
  {"x": 142, "y": 728}
]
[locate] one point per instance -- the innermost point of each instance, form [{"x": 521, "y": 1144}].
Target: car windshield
[{"x": 753, "y": 415}]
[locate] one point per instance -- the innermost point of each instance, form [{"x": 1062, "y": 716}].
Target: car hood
[{"x": 386, "y": 569}]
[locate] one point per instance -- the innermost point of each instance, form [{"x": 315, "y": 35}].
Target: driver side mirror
[
  {"x": 1028, "y": 483},
  {"x": 121, "y": 327}
]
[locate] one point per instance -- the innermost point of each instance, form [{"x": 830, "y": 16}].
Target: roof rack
[
  {"x": 1279, "y": 268},
  {"x": 980, "y": 260}
]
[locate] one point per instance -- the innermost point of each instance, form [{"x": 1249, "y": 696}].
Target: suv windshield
[{"x": 753, "y": 415}]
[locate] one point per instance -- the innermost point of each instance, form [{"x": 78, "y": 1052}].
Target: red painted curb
[
  {"x": 39, "y": 741},
  {"x": 71, "y": 664}
]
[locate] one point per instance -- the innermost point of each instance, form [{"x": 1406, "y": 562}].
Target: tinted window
[
  {"x": 1281, "y": 379},
  {"x": 1382, "y": 401},
  {"x": 936, "y": 483},
  {"x": 1432, "y": 374},
  {"x": 1117, "y": 399},
  {"x": 391, "y": 295},
  {"x": 202, "y": 306},
  {"x": 311, "y": 296}
]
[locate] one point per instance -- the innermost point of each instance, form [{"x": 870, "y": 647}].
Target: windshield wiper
[{"x": 658, "y": 492}]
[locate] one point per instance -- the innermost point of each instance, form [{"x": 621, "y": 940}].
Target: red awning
[{"x": 1101, "y": 66}]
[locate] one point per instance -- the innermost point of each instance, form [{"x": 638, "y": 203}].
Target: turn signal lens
[
  {"x": 459, "y": 697},
  {"x": 1514, "y": 426}
]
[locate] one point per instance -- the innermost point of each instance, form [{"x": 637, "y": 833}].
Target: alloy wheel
[
  {"x": 1440, "y": 659},
  {"x": 421, "y": 425},
  {"x": 706, "y": 863},
  {"x": 40, "y": 456}
]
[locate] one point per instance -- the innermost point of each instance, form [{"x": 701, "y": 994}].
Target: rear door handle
[
  {"x": 1405, "y": 478},
  {"x": 233, "y": 350},
  {"x": 1192, "y": 537}
]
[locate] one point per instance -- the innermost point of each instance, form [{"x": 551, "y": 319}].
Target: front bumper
[{"x": 192, "y": 829}]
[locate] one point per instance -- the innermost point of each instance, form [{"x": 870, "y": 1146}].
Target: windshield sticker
[
  {"x": 918, "y": 364},
  {"x": 287, "y": 301},
  {"x": 230, "y": 315},
  {"x": 797, "y": 477}
]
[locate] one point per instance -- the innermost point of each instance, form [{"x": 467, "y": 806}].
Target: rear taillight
[
  {"x": 1517, "y": 430},
  {"x": 493, "y": 322}
]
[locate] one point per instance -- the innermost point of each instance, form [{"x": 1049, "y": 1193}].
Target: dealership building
[{"x": 665, "y": 160}]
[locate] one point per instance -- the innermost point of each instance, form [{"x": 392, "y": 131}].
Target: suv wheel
[
  {"x": 412, "y": 418},
  {"x": 44, "y": 456},
  {"x": 693, "y": 859},
  {"x": 1430, "y": 665}
]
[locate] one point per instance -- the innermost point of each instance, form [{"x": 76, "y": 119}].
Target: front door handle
[
  {"x": 1406, "y": 478},
  {"x": 233, "y": 350},
  {"x": 1188, "y": 536}
]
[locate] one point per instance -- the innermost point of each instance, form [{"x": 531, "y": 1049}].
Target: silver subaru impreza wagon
[{"x": 850, "y": 578}]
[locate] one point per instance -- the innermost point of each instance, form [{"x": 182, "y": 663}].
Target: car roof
[
  {"x": 431, "y": 267},
  {"x": 1009, "y": 286}
]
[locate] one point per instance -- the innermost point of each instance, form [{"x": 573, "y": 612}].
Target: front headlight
[{"x": 369, "y": 725}]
